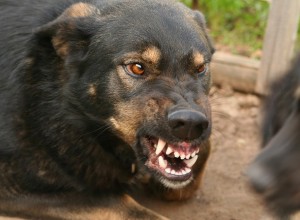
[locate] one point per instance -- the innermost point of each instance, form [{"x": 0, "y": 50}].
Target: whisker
[
  {"x": 217, "y": 131},
  {"x": 103, "y": 128},
  {"x": 221, "y": 115}
]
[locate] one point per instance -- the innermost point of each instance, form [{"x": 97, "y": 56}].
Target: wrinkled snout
[{"x": 188, "y": 124}]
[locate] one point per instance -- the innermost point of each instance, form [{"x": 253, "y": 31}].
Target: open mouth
[{"x": 172, "y": 161}]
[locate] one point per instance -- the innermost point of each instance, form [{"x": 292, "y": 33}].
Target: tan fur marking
[
  {"x": 92, "y": 91},
  {"x": 115, "y": 123},
  {"x": 61, "y": 47},
  {"x": 29, "y": 61},
  {"x": 152, "y": 54},
  {"x": 198, "y": 58},
  {"x": 297, "y": 93},
  {"x": 133, "y": 168},
  {"x": 80, "y": 10},
  {"x": 127, "y": 120},
  {"x": 41, "y": 173}
]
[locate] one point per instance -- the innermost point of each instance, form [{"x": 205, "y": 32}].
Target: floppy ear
[
  {"x": 69, "y": 33},
  {"x": 200, "y": 20}
]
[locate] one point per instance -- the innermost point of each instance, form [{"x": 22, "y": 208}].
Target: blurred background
[{"x": 237, "y": 26}]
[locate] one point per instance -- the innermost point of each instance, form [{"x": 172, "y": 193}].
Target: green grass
[
  {"x": 236, "y": 24},
  {"x": 239, "y": 25}
]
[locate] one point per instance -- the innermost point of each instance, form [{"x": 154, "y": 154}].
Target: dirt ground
[{"x": 225, "y": 194}]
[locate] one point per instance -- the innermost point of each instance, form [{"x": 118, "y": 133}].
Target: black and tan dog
[
  {"x": 95, "y": 96},
  {"x": 275, "y": 173}
]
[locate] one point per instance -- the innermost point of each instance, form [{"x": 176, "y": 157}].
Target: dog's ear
[
  {"x": 70, "y": 33},
  {"x": 200, "y": 20}
]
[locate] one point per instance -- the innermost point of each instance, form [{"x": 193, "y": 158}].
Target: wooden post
[
  {"x": 279, "y": 42},
  {"x": 195, "y": 4}
]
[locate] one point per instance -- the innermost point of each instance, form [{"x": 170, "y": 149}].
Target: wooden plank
[
  {"x": 195, "y": 4},
  {"x": 236, "y": 71},
  {"x": 279, "y": 42}
]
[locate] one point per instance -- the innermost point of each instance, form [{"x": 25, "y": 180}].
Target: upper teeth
[
  {"x": 169, "y": 150},
  {"x": 189, "y": 158},
  {"x": 183, "y": 156},
  {"x": 160, "y": 146}
]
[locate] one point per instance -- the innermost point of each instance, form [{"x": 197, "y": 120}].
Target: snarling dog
[
  {"x": 275, "y": 172},
  {"x": 96, "y": 96}
]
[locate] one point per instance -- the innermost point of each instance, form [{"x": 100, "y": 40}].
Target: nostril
[
  {"x": 203, "y": 125},
  {"x": 187, "y": 124},
  {"x": 174, "y": 124}
]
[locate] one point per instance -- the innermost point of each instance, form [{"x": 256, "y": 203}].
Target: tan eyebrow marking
[
  {"x": 92, "y": 91},
  {"x": 152, "y": 54},
  {"x": 198, "y": 58},
  {"x": 80, "y": 10},
  {"x": 297, "y": 92}
]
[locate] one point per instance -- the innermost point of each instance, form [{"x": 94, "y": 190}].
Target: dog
[
  {"x": 274, "y": 173},
  {"x": 99, "y": 97}
]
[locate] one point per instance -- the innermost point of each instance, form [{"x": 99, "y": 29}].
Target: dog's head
[{"x": 141, "y": 68}]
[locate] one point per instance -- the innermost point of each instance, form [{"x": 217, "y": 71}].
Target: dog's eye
[
  {"x": 135, "y": 69},
  {"x": 202, "y": 69}
]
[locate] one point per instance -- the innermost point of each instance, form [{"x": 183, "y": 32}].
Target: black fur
[
  {"x": 60, "y": 91},
  {"x": 275, "y": 172}
]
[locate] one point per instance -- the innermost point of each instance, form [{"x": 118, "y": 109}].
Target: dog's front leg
[{"x": 74, "y": 207}]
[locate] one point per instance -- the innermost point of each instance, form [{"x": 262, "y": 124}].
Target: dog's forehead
[
  {"x": 157, "y": 31},
  {"x": 171, "y": 31}
]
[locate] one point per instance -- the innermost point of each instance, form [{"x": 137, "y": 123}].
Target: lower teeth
[{"x": 178, "y": 173}]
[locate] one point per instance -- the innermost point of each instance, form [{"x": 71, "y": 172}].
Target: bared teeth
[
  {"x": 182, "y": 156},
  {"x": 189, "y": 158},
  {"x": 160, "y": 146},
  {"x": 187, "y": 170},
  {"x": 169, "y": 150},
  {"x": 193, "y": 154},
  {"x": 191, "y": 162},
  {"x": 179, "y": 172},
  {"x": 162, "y": 163}
]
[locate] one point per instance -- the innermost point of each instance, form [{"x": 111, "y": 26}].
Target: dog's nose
[{"x": 187, "y": 124}]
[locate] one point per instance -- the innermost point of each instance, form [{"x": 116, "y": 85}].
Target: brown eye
[
  {"x": 202, "y": 69},
  {"x": 135, "y": 69}
]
